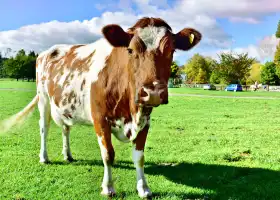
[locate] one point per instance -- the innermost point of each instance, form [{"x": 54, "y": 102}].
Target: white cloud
[
  {"x": 38, "y": 37},
  {"x": 41, "y": 36},
  {"x": 249, "y": 20},
  {"x": 250, "y": 11},
  {"x": 264, "y": 49},
  {"x": 199, "y": 14}
]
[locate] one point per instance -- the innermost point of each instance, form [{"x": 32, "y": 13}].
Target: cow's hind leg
[
  {"x": 66, "y": 143},
  {"x": 103, "y": 132},
  {"x": 44, "y": 123},
  {"x": 138, "y": 158}
]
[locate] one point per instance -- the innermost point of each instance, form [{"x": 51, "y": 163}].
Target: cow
[{"x": 112, "y": 84}]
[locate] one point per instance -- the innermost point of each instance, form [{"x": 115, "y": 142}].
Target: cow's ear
[
  {"x": 187, "y": 39},
  {"x": 116, "y": 36}
]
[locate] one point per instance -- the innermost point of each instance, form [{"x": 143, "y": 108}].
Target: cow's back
[{"x": 64, "y": 76}]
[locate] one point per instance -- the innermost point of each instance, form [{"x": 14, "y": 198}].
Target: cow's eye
[{"x": 129, "y": 50}]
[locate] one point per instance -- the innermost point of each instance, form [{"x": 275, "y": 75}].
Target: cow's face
[{"x": 150, "y": 53}]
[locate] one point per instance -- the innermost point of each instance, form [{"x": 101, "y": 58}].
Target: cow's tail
[{"x": 18, "y": 118}]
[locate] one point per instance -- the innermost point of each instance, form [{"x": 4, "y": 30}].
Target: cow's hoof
[
  {"x": 108, "y": 191},
  {"x": 69, "y": 159},
  {"x": 44, "y": 161},
  {"x": 144, "y": 192}
]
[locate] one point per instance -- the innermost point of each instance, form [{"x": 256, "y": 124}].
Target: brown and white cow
[{"x": 113, "y": 83}]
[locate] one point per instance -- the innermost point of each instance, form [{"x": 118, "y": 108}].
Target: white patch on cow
[
  {"x": 62, "y": 49},
  {"x": 44, "y": 123},
  {"x": 120, "y": 130},
  {"x": 63, "y": 78},
  {"x": 138, "y": 123},
  {"x": 57, "y": 115},
  {"x": 84, "y": 51},
  {"x": 107, "y": 183},
  {"x": 142, "y": 186},
  {"x": 66, "y": 144},
  {"x": 103, "y": 50},
  {"x": 151, "y": 36}
]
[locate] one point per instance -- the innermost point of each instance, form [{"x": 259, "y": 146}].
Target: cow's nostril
[{"x": 143, "y": 93}]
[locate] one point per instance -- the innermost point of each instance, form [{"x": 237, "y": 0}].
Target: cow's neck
[{"x": 123, "y": 85}]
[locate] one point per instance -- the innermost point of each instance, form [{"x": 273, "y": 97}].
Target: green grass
[
  {"x": 5, "y": 83},
  {"x": 223, "y": 93},
  {"x": 197, "y": 148}
]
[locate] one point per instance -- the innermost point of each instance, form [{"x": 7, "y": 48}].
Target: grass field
[
  {"x": 5, "y": 83},
  {"x": 223, "y": 93},
  {"x": 197, "y": 148}
]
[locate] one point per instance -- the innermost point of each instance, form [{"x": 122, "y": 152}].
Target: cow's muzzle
[{"x": 152, "y": 95}]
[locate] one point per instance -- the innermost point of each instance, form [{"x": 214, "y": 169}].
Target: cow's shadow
[{"x": 224, "y": 182}]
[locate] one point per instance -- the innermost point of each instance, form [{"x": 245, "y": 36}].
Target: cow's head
[{"x": 150, "y": 46}]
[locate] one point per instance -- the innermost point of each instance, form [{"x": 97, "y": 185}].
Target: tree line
[
  {"x": 21, "y": 66},
  {"x": 230, "y": 68}
]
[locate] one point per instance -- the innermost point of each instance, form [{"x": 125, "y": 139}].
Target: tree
[
  {"x": 277, "y": 59},
  {"x": 211, "y": 63},
  {"x": 277, "y": 34},
  {"x": 21, "y": 66},
  {"x": 11, "y": 68},
  {"x": 255, "y": 73},
  {"x": 215, "y": 77},
  {"x": 268, "y": 74},
  {"x": 1, "y": 66},
  {"x": 30, "y": 66},
  {"x": 277, "y": 55},
  {"x": 197, "y": 69},
  {"x": 233, "y": 67},
  {"x": 175, "y": 75},
  {"x": 174, "y": 70}
]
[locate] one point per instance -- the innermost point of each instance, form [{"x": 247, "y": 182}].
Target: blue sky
[{"x": 236, "y": 25}]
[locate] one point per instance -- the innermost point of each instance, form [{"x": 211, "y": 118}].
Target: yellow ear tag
[{"x": 191, "y": 38}]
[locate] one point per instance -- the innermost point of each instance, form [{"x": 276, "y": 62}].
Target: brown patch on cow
[
  {"x": 73, "y": 63},
  {"x": 54, "y": 53},
  {"x": 149, "y": 21},
  {"x": 67, "y": 114},
  {"x": 64, "y": 102},
  {"x": 112, "y": 85},
  {"x": 66, "y": 82},
  {"x": 55, "y": 91},
  {"x": 128, "y": 135},
  {"x": 71, "y": 96},
  {"x": 102, "y": 129},
  {"x": 83, "y": 84},
  {"x": 141, "y": 139},
  {"x": 73, "y": 107}
]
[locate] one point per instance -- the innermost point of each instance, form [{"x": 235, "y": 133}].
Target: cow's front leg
[
  {"x": 103, "y": 132},
  {"x": 138, "y": 158}
]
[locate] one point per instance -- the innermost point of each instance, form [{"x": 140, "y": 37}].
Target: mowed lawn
[
  {"x": 200, "y": 91},
  {"x": 197, "y": 148},
  {"x": 6, "y": 83}
]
